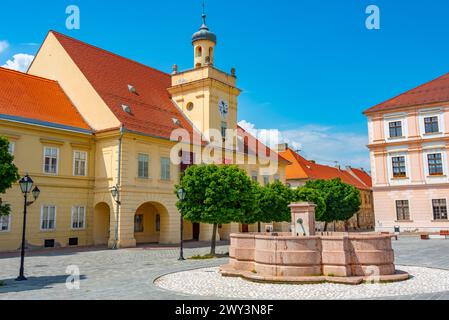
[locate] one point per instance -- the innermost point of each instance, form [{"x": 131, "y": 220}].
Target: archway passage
[
  {"x": 101, "y": 224},
  {"x": 150, "y": 221}
]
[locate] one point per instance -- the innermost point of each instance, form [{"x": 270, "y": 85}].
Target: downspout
[{"x": 119, "y": 181}]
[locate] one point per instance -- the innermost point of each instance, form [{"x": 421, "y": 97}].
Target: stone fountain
[{"x": 304, "y": 256}]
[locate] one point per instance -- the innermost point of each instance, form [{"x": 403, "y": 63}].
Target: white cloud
[
  {"x": 19, "y": 62},
  {"x": 324, "y": 144},
  {"x": 3, "y": 46}
]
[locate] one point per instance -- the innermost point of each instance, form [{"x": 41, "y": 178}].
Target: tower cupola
[{"x": 204, "y": 42}]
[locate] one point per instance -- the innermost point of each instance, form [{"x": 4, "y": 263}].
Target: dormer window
[
  {"x": 132, "y": 89},
  {"x": 126, "y": 108}
]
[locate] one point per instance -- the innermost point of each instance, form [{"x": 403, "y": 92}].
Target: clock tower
[{"x": 205, "y": 94}]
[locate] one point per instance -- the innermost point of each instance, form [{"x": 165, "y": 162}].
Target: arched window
[
  {"x": 211, "y": 53},
  {"x": 199, "y": 51},
  {"x": 198, "y": 65}
]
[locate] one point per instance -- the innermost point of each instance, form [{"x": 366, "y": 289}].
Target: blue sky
[{"x": 307, "y": 68}]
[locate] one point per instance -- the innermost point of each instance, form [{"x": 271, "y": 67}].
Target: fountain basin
[{"x": 333, "y": 257}]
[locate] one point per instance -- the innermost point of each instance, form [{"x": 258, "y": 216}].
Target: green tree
[
  {"x": 216, "y": 195},
  {"x": 8, "y": 173},
  {"x": 311, "y": 195},
  {"x": 342, "y": 200},
  {"x": 273, "y": 201}
]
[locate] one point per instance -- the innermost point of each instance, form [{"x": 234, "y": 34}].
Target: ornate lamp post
[
  {"x": 181, "y": 196},
  {"x": 116, "y": 196},
  {"x": 26, "y": 186}
]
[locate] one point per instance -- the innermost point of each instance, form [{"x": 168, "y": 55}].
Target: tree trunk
[
  {"x": 346, "y": 226},
  {"x": 259, "y": 227},
  {"x": 325, "y": 226},
  {"x": 213, "y": 240}
]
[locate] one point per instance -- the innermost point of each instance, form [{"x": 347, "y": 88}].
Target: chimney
[{"x": 282, "y": 147}]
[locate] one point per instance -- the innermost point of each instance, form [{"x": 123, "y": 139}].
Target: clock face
[{"x": 224, "y": 108}]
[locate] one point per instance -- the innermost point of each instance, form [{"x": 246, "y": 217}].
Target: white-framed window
[
  {"x": 11, "y": 147},
  {"x": 143, "y": 166},
  {"x": 165, "y": 169},
  {"x": 399, "y": 167},
  {"x": 78, "y": 220},
  {"x": 439, "y": 207},
  {"x": 48, "y": 217},
  {"x": 402, "y": 210},
  {"x": 51, "y": 156},
  {"x": 5, "y": 223},
  {"x": 395, "y": 129},
  {"x": 431, "y": 125},
  {"x": 435, "y": 164},
  {"x": 431, "y": 122},
  {"x": 395, "y": 126},
  {"x": 80, "y": 163}
]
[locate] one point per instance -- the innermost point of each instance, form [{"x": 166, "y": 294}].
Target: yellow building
[{"x": 84, "y": 120}]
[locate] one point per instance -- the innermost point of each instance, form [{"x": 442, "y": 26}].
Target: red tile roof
[
  {"x": 309, "y": 170},
  {"x": 364, "y": 176},
  {"x": 152, "y": 110},
  {"x": 431, "y": 92},
  {"x": 36, "y": 100}
]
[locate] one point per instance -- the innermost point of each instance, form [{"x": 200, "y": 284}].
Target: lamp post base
[
  {"x": 181, "y": 259},
  {"x": 21, "y": 278}
]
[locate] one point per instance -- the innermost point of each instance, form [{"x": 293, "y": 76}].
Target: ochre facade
[{"x": 146, "y": 211}]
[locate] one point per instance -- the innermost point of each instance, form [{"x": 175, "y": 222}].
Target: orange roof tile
[
  {"x": 36, "y": 100},
  {"x": 431, "y": 92},
  {"x": 152, "y": 110},
  {"x": 364, "y": 176},
  {"x": 309, "y": 170}
]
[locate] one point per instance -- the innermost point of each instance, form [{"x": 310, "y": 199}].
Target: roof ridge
[
  {"x": 406, "y": 92},
  {"x": 106, "y": 51},
  {"x": 24, "y": 74}
]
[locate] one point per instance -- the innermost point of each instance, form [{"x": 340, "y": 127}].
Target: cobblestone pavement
[
  {"x": 105, "y": 274},
  {"x": 130, "y": 273}
]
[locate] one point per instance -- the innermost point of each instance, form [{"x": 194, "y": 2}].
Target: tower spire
[{"x": 204, "y": 13}]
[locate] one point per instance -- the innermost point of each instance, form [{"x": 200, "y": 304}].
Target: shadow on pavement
[{"x": 33, "y": 283}]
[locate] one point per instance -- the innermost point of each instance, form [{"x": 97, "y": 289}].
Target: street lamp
[
  {"x": 116, "y": 196},
  {"x": 181, "y": 197},
  {"x": 26, "y": 186}
]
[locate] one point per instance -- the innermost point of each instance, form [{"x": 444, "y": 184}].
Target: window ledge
[
  {"x": 399, "y": 221},
  {"x": 432, "y": 134},
  {"x": 437, "y": 176},
  {"x": 399, "y": 178},
  {"x": 165, "y": 181},
  {"x": 143, "y": 179},
  {"x": 396, "y": 138},
  {"x": 440, "y": 220}
]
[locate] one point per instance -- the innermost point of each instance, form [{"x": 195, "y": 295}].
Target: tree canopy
[
  {"x": 342, "y": 200},
  {"x": 311, "y": 195},
  {"x": 217, "y": 195},
  {"x": 273, "y": 201},
  {"x": 8, "y": 173}
]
